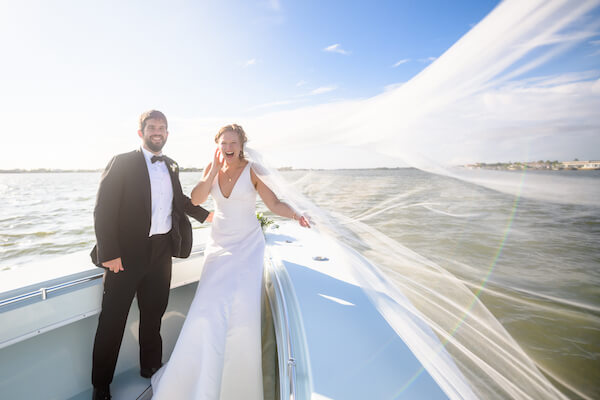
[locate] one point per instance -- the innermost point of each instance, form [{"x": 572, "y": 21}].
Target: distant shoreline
[
  {"x": 494, "y": 166},
  {"x": 575, "y": 165},
  {"x": 61, "y": 171}
]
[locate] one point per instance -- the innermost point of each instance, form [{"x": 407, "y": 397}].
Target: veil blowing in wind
[{"x": 479, "y": 94}]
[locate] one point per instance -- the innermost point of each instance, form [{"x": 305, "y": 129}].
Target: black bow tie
[{"x": 157, "y": 158}]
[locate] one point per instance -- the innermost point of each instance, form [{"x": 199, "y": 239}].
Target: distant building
[
  {"x": 538, "y": 165},
  {"x": 581, "y": 164}
]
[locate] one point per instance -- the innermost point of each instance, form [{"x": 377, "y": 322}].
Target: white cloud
[
  {"x": 271, "y": 104},
  {"x": 405, "y": 60},
  {"x": 428, "y": 59},
  {"x": 301, "y": 83},
  {"x": 323, "y": 89},
  {"x": 297, "y": 99},
  {"x": 336, "y": 48},
  {"x": 250, "y": 63},
  {"x": 393, "y": 86},
  {"x": 596, "y": 52},
  {"x": 275, "y": 5}
]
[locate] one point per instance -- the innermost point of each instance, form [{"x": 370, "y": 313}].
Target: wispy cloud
[
  {"x": 250, "y": 63},
  {"x": 595, "y": 42},
  {"x": 272, "y": 104},
  {"x": 273, "y": 13},
  {"x": 275, "y": 5},
  {"x": 301, "y": 98},
  {"x": 323, "y": 89},
  {"x": 428, "y": 59},
  {"x": 301, "y": 83},
  {"x": 393, "y": 86},
  {"x": 336, "y": 48},
  {"x": 403, "y": 61}
]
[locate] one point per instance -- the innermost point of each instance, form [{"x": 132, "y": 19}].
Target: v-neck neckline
[{"x": 234, "y": 184}]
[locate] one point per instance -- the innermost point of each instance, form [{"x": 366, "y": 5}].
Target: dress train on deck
[{"x": 218, "y": 353}]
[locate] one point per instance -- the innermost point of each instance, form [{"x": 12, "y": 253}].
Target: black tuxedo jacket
[{"x": 123, "y": 213}]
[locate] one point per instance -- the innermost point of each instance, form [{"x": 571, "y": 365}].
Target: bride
[{"x": 218, "y": 352}]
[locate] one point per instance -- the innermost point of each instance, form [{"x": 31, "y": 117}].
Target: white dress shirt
[{"x": 161, "y": 192}]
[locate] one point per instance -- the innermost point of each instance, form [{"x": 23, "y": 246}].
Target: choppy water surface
[{"x": 535, "y": 264}]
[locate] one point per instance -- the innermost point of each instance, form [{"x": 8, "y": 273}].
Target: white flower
[{"x": 174, "y": 167}]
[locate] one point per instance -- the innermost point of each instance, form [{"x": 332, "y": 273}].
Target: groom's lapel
[{"x": 145, "y": 176}]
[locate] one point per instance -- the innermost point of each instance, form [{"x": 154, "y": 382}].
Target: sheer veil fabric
[{"x": 491, "y": 363}]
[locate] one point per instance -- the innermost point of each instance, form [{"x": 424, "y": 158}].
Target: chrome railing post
[
  {"x": 292, "y": 377},
  {"x": 43, "y": 292}
]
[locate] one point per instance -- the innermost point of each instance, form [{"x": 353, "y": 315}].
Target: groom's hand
[{"x": 114, "y": 265}]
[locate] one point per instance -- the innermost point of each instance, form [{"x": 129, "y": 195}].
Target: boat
[{"x": 324, "y": 336}]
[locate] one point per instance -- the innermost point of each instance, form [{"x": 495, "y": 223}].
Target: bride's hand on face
[{"x": 218, "y": 160}]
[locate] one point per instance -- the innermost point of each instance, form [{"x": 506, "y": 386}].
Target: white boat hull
[{"x": 333, "y": 340}]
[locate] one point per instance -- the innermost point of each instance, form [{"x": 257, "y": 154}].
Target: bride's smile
[{"x": 230, "y": 147}]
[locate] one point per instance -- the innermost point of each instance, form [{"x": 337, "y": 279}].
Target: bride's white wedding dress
[{"x": 218, "y": 353}]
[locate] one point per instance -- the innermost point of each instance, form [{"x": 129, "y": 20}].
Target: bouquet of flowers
[{"x": 265, "y": 221}]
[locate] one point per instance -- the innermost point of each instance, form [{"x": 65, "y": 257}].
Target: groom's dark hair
[{"x": 151, "y": 114}]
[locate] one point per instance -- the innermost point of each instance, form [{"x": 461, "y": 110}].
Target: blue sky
[{"x": 76, "y": 74}]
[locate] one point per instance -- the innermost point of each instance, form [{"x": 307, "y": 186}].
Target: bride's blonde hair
[{"x": 235, "y": 128}]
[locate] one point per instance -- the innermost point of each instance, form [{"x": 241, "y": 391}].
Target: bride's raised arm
[
  {"x": 274, "y": 204},
  {"x": 202, "y": 189}
]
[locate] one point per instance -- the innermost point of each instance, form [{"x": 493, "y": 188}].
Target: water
[{"x": 535, "y": 264}]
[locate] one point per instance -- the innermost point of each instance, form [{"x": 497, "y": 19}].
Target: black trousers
[{"x": 151, "y": 285}]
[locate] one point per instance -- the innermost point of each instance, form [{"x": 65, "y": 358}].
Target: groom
[{"x": 140, "y": 222}]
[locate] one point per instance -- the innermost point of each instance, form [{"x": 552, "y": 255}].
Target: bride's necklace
[
  {"x": 228, "y": 177},
  {"x": 227, "y": 173}
]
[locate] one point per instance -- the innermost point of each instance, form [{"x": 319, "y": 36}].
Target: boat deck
[
  {"x": 128, "y": 385},
  {"x": 327, "y": 333}
]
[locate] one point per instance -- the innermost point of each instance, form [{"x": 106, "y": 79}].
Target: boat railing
[{"x": 44, "y": 291}]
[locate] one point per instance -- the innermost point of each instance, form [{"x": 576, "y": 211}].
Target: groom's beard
[{"x": 154, "y": 146}]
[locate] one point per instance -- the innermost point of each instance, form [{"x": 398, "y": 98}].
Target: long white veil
[
  {"x": 472, "y": 81},
  {"x": 475, "y": 99},
  {"x": 492, "y": 362}
]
